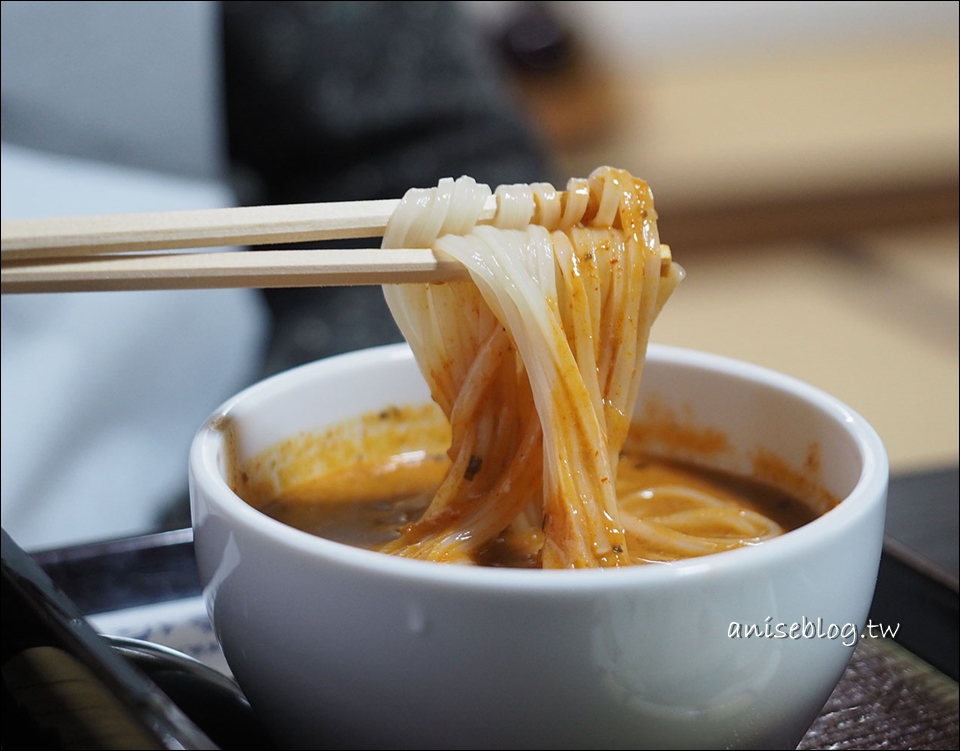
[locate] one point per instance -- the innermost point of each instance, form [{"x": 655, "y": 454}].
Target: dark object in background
[
  {"x": 922, "y": 604},
  {"x": 65, "y": 686},
  {"x": 566, "y": 92},
  {"x": 342, "y": 101},
  {"x": 535, "y": 39},
  {"x": 917, "y": 586},
  {"x": 208, "y": 697}
]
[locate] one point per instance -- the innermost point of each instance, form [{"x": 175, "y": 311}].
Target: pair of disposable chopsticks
[
  {"x": 123, "y": 251},
  {"x": 146, "y": 251}
]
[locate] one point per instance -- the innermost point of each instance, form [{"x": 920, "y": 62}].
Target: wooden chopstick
[
  {"x": 206, "y": 228},
  {"x": 253, "y": 268},
  {"x": 210, "y": 270}
]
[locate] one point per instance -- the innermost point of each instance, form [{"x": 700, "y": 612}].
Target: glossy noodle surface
[{"x": 536, "y": 364}]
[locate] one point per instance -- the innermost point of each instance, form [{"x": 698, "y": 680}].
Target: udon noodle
[{"x": 537, "y": 362}]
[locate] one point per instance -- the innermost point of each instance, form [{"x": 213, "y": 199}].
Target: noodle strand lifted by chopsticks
[{"x": 536, "y": 362}]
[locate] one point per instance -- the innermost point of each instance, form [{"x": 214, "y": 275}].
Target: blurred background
[
  {"x": 804, "y": 161},
  {"x": 804, "y": 158}
]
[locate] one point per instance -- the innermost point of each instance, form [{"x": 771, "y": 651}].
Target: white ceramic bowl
[{"x": 341, "y": 647}]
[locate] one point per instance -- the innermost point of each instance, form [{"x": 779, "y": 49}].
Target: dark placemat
[{"x": 888, "y": 699}]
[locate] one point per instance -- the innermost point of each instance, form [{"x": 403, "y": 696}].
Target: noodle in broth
[{"x": 536, "y": 363}]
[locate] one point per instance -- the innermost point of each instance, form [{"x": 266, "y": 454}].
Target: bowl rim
[{"x": 869, "y": 491}]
